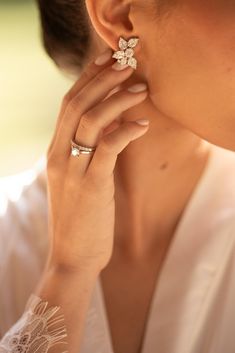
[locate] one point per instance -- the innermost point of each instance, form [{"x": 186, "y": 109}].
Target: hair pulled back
[{"x": 66, "y": 28}]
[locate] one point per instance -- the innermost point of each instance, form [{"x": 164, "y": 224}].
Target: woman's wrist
[
  {"x": 63, "y": 273},
  {"x": 66, "y": 270},
  {"x": 71, "y": 291},
  {"x": 92, "y": 267}
]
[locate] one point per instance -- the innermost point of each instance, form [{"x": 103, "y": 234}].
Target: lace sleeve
[{"x": 37, "y": 330}]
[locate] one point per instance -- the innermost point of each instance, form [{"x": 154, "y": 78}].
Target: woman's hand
[{"x": 81, "y": 189}]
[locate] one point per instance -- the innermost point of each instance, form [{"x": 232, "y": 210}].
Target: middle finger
[{"x": 93, "y": 122}]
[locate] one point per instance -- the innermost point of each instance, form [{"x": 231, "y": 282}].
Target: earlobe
[{"x": 111, "y": 20}]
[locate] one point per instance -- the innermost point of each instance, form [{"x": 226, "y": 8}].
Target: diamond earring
[{"x": 125, "y": 56}]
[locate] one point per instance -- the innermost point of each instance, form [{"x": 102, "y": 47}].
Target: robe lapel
[
  {"x": 194, "y": 260},
  {"x": 185, "y": 284},
  {"x": 198, "y": 254}
]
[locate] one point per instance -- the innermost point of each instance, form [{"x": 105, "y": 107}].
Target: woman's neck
[{"x": 154, "y": 179}]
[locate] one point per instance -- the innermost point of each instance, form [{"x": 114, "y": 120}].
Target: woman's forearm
[
  {"x": 54, "y": 317},
  {"x": 72, "y": 292}
]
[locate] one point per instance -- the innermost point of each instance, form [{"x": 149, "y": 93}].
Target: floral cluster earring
[{"x": 125, "y": 56}]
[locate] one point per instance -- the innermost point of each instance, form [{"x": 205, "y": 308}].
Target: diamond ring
[{"x": 76, "y": 149}]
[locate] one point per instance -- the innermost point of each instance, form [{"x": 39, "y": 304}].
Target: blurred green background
[{"x": 31, "y": 88}]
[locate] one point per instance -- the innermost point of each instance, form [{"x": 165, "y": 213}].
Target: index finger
[{"x": 90, "y": 71}]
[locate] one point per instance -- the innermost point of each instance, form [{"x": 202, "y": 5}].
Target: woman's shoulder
[
  {"x": 23, "y": 239},
  {"x": 23, "y": 207},
  {"x": 222, "y": 162},
  {"x": 23, "y": 199},
  {"x": 218, "y": 181},
  {"x": 217, "y": 188},
  {"x": 215, "y": 199}
]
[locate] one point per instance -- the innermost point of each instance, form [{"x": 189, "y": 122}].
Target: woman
[{"x": 141, "y": 220}]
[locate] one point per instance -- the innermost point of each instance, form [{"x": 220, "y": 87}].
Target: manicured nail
[
  {"x": 139, "y": 87},
  {"x": 143, "y": 122},
  {"x": 118, "y": 67},
  {"x": 104, "y": 58}
]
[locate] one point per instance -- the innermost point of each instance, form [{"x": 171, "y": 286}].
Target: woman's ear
[{"x": 111, "y": 20}]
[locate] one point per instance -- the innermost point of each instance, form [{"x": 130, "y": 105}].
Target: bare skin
[
  {"x": 187, "y": 62},
  {"x": 142, "y": 240},
  {"x": 182, "y": 60},
  {"x": 141, "y": 243},
  {"x": 128, "y": 198},
  {"x": 81, "y": 195}
]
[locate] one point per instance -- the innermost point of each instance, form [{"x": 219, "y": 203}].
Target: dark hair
[{"x": 66, "y": 29}]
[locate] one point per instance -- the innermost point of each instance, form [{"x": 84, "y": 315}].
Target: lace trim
[{"x": 38, "y": 329}]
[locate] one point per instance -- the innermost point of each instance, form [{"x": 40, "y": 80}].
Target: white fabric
[
  {"x": 38, "y": 329},
  {"x": 193, "y": 306}
]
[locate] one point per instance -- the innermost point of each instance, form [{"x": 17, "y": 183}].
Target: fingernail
[
  {"x": 118, "y": 67},
  {"x": 142, "y": 122},
  {"x": 104, "y": 58},
  {"x": 139, "y": 87}
]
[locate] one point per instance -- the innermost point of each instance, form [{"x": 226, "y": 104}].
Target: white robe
[{"x": 193, "y": 305}]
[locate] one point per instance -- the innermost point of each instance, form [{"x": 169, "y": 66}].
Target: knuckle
[
  {"x": 86, "y": 75},
  {"x": 90, "y": 71},
  {"x": 52, "y": 166},
  {"x": 74, "y": 105},
  {"x": 100, "y": 79},
  {"x": 86, "y": 120},
  {"x": 107, "y": 75}
]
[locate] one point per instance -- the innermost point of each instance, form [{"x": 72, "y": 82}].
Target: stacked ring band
[{"x": 76, "y": 149}]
